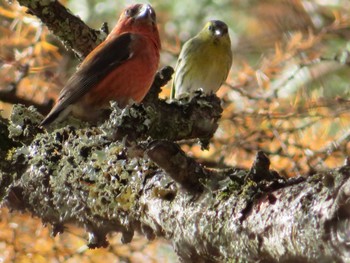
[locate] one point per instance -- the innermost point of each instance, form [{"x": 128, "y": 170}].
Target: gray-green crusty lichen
[
  {"x": 81, "y": 175},
  {"x": 74, "y": 173},
  {"x": 24, "y": 123},
  {"x": 174, "y": 121},
  {"x": 68, "y": 170},
  {"x": 92, "y": 176},
  {"x": 7, "y": 146}
]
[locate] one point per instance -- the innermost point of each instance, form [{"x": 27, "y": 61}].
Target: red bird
[{"x": 121, "y": 68}]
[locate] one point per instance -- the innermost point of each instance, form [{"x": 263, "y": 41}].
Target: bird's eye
[
  {"x": 210, "y": 28},
  {"x": 130, "y": 12}
]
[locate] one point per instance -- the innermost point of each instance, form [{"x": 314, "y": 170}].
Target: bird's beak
[{"x": 146, "y": 11}]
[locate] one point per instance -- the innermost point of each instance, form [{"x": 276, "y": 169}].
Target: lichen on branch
[{"x": 82, "y": 176}]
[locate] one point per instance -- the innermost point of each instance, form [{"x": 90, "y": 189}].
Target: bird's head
[
  {"x": 215, "y": 29},
  {"x": 138, "y": 17}
]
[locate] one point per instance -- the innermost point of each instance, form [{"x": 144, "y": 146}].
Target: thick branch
[
  {"x": 84, "y": 177},
  {"x": 303, "y": 222},
  {"x": 159, "y": 119},
  {"x": 72, "y": 31}
]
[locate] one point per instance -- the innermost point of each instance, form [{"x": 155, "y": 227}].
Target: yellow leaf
[
  {"x": 7, "y": 13},
  {"x": 295, "y": 41},
  {"x": 49, "y": 47}
]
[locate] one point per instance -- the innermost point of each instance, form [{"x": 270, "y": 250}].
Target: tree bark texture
[
  {"x": 127, "y": 174},
  {"x": 85, "y": 176}
]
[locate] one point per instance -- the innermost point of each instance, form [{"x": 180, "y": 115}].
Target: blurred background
[{"x": 287, "y": 94}]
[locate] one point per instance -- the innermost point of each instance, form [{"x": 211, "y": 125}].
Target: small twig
[
  {"x": 239, "y": 88},
  {"x": 260, "y": 169},
  {"x": 9, "y": 93}
]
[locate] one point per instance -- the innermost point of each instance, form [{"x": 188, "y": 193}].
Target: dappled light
[{"x": 287, "y": 94}]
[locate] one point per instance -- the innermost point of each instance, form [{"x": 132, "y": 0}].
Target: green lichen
[
  {"x": 71, "y": 169},
  {"x": 232, "y": 185},
  {"x": 10, "y": 153},
  {"x": 46, "y": 11},
  {"x": 46, "y": 2},
  {"x": 24, "y": 123}
]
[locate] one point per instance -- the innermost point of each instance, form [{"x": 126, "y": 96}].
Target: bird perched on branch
[
  {"x": 204, "y": 61},
  {"x": 121, "y": 68}
]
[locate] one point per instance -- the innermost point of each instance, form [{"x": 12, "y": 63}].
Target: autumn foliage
[{"x": 287, "y": 94}]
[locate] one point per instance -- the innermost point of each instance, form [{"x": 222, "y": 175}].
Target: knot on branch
[
  {"x": 181, "y": 168},
  {"x": 260, "y": 169}
]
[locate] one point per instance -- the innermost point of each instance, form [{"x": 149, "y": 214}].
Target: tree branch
[
  {"x": 159, "y": 119},
  {"x": 89, "y": 177},
  {"x": 177, "y": 165},
  {"x": 84, "y": 176},
  {"x": 9, "y": 94}
]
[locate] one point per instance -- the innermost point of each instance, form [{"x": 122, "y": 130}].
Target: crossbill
[
  {"x": 204, "y": 61},
  {"x": 121, "y": 68}
]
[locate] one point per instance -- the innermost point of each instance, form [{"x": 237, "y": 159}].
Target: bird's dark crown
[{"x": 218, "y": 26}]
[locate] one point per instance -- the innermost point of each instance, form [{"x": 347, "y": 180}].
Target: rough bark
[
  {"x": 127, "y": 175},
  {"x": 85, "y": 176}
]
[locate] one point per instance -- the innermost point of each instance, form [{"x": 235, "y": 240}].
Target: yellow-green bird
[{"x": 204, "y": 61}]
